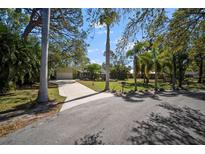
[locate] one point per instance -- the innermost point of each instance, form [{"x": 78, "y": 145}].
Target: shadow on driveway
[
  {"x": 140, "y": 96},
  {"x": 83, "y": 97},
  {"x": 183, "y": 125},
  {"x": 91, "y": 139}
]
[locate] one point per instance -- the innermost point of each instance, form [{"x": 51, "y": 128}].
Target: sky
[{"x": 97, "y": 43}]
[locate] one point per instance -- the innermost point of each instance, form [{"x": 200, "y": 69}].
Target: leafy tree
[
  {"x": 184, "y": 24},
  {"x": 156, "y": 46},
  {"x": 93, "y": 70},
  {"x": 146, "y": 65},
  {"x": 64, "y": 23},
  {"x": 179, "y": 46},
  {"x": 165, "y": 60},
  {"x": 146, "y": 21},
  {"x": 197, "y": 52},
  {"x": 134, "y": 53},
  {"x": 19, "y": 59},
  {"x": 56, "y": 59},
  {"x": 187, "y": 21},
  {"x": 78, "y": 54},
  {"x": 151, "y": 22},
  {"x": 14, "y": 19},
  {"x": 65, "y": 48},
  {"x": 119, "y": 72},
  {"x": 148, "y": 60}
]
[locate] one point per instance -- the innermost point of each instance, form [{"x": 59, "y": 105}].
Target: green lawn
[
  {"x": 194, "y": 85},
  {"x": 26, "y": 96},
  {"x": 115, "y": 85}
]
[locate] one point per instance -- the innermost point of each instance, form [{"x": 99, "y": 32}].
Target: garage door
[{"x": 61, "y": 76}]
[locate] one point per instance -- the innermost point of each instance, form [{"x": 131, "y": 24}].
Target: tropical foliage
[
  {"x": 93, "y": 71},
  {"x": 21, "y": 48},
  {"x": 171, "y": 48}
]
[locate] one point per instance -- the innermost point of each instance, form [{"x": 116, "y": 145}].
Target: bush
[
  {"x": 93, "y": 71},
  {"x": 20, "y": 59},
  {"x": 161, "y": 89},
  {"x": 119, "y": 72}
]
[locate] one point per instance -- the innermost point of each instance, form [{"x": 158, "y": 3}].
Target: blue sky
[{"x": 97, "y": 43}]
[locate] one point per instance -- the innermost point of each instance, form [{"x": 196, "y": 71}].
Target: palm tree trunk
[
  {"x": 107, "y": 59},
  {"x": 155, "y": 77},
  {"x": 174, "y": 72},
  {"x": 43, "y": 91},
  {"x": 180, "y": 67},
  {"x": 135, "y": 73},
  {"x": 200, "y": 71},
  {"x": 155, "y": 69}
]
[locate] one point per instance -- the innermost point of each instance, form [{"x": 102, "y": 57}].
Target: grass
[
  {"x": 115, "y": 85},
  {"x": 24, "y": 99},
  {"x": 25, "y": 96},
  {"x": 192, "y": 84}
]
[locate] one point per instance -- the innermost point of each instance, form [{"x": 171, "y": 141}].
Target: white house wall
[{"x": 65, "y": 75}]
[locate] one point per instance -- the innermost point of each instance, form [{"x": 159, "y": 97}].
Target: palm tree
[
  {"x": 155, "y": 47},
  {"x": 156, "y": 64},
  {"x": 137, "y": 49},
  {"x": 43, "y": 90},
  {"x": 146, "y": 61},
  {"x": 108, "y": 17},
  {"x": 165, "y": 60}
]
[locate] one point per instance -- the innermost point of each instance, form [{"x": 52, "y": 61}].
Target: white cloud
[
  {"x": 98, "y": 25},
  {"x": 92, "y": 50},
  {"x": 93, "y": 61},
  {"x": 103, "y": 32}
]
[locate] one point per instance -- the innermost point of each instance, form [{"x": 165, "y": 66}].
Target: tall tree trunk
[
  {"x": 143, "y": 74},
  {"x": 147, "y": 80},
  {"x": 135, "y": 72},
  {"x": 155, "y": 77},
  {"x": 155, "y": 70},
  {"x": 171, "y": 77},
  {"x": 107, "y": 87},
  {"x": 180, "y": 73},
  {"x": 200, "y": 71},
  {"x": 144, "y": 79},
  {"x": 174, "y": 72},
  {"x": 43, "y": 91}
]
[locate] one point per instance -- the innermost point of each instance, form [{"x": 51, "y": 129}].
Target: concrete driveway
[
  {"x": 169, "y": 118},
  {"x": 77, "y": 94},
  {"x": 72, "y": 89}
]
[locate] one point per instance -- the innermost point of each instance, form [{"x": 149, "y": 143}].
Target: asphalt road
[{"x": 138, "y": 119}]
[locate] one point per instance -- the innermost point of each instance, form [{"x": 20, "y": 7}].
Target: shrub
[{"x": 119, "y": 72}]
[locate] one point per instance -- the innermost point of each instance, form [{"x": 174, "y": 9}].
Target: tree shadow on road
[
  {"x": 138, "y": 97},
  {"x": 196, "y": 95},
  {"x": 200, "y": 95},
  {"x": 90, "y": 139},
  {"x": 183, "y": 125},
  {"x": 84, "y": 96}
]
